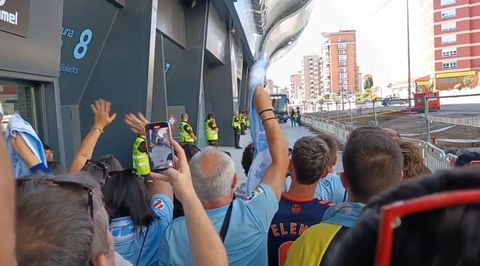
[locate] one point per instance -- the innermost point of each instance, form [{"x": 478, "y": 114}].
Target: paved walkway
[{"x": 292, "y": 134}]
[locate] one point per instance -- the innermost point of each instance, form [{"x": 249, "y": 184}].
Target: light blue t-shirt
[
  {"x": 246, "y": 238},
  {"x": 329, "y": 189},
  {"x": 128, "y": 242}
]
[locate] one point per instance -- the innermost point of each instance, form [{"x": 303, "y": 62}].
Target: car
[{"x": 393, "y": 100}]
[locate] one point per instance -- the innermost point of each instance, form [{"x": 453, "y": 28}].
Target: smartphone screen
[{"x": 160, "y": 150}]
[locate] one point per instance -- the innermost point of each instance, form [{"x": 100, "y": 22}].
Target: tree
[{"x": 369, "y": 95}]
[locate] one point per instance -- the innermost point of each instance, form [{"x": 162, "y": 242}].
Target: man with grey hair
[{"x": 242, "y": 223}]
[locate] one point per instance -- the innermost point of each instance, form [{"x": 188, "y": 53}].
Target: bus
[{"x": 280, "y": 107}]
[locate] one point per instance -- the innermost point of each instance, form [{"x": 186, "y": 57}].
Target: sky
[{"x": 381, "y": 38}]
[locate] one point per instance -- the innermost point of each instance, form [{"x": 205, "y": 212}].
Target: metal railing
[{"x": 434, "y": 157}]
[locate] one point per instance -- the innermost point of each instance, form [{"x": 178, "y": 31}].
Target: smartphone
[{"x": 159, "y": 149}]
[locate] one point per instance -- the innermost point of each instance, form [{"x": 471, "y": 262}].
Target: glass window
[
  {"x": 342, "y": 45},
  {"x": 447, "y": 2},
  {"x": 449, "y": 52},
  {"x": 448, "y": 13},
  {"x": 449, "y": 65},
  {"x": 448, "y": 26},
  {"x": 449, "y": 39},
  {"x": 342, "y": 58},
  {"x": 17, "y": 99}
]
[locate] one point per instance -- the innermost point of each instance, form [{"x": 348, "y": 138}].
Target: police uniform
[
  {"x": 185, "y": 131},
  {"x": 237, "y": 127},
  {"x": 140, "y": 157},
  {"x": 211, "y": 132}
]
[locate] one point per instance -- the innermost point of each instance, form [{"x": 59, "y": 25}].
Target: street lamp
[{"x": 408, "y": 52}]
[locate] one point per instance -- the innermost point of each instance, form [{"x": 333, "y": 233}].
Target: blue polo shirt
[
  {"x": 128, "y": 241},
  {"x": 331, "y": 189},
  {"x": 246, "y": 239}
]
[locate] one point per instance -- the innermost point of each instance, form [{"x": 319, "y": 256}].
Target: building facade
[
  {"x": 158, "y": 57},
  {"x": 340, "y": 62},
  {"x": 296, "y": 87},
  {"x": 311, "y": 76}
]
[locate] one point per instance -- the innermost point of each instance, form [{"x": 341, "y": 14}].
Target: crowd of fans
[{"x": 96, "y": 212}]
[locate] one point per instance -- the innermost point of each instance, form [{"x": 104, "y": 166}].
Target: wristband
[
  {"x": 270, "y": 118},
  {"x": 266, "y": 110},
  {"x": 98, "y": 130}
]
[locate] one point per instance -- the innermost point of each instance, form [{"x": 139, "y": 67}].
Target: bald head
[{"x": 213, "y": 174}]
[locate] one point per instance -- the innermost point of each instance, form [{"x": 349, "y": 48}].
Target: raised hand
[
  {"x": 136, "y": 123},
  {"x": 103, "y": 116}
]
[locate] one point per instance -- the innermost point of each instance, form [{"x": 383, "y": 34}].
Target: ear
[
  {"x": 290, "y": 166},
  {"x": 325, "y": 173},
  {"x": 234, "y": 183},
  {"x": 103, "y": 260},
  {"x": 402, "y": 177},
  {"x": 335, "y": 161},
  {"x": 344, "y": 180}
]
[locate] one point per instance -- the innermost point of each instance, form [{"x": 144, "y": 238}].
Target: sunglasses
[{"x": 60, "y": 181}]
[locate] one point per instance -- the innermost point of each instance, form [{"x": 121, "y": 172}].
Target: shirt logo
[
  {"x": 296, "y": 208},
  {"x": 158, "y": 204}
]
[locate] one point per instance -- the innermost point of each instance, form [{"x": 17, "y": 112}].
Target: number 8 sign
[{"x": 81, "y": 48}]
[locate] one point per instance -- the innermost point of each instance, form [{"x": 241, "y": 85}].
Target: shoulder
[{"x": 262, "y": 190}]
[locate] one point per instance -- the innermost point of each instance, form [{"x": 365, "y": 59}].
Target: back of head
[
  {"x": 184, "y": 116},
  {"x": 413, "y": 164},
  {"x": 466, "y": 158},
  {"x": 310, "y": 158},
  {"x": 190, "y": 150},
  {"x": 112, "y": 162},
  {"x": 125, "y": 195},
  {"x": 212, "y": 174},
  {"x": 54, "y": 225},
  {"x": 391, "y": 132},
  {"x": 332, "y": 147},
  {"x": 443, "y": 237},
  {"x": 372, "y": 163},
  {"x": 247, "y": 157},
  {"x": 57, "y": 168}
]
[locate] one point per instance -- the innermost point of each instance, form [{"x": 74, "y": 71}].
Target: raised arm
[
  {"x": 137, "y": 124},
  {"x": 277, "y": 144},
  {"x": 102, "y": 118},
  {"x": 200, "y": 229},
  {"x": 7, "y": 207}
]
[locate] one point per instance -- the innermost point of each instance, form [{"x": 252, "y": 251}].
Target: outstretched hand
[
  {"x": 136, "y": 123},
  {"x": 180, "y": 178},
  {"x": 102, "y": 111}
]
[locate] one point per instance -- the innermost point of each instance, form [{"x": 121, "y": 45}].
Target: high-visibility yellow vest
[
  {"x": 209, "y": 132},
  {"x": 184, "y": 135},
  {"x": 140, "y": 159},
  {"x": 236, "y": 122}
]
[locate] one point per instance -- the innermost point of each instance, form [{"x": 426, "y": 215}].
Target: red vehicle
[{"x": 433, "y": 101}]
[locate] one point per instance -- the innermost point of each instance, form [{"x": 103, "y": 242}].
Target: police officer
[
  {"x": 243, "y": 123},
  {"x": 211, "y": 130},
  {"x": 186, "y": 131},
  {"x": 140, "y": 157},
  {"x": 237, "y": 128}
]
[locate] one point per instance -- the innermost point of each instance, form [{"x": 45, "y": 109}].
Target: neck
[
  {"x": 302, "y": 191},
  {"x": 215, "y": 204}
]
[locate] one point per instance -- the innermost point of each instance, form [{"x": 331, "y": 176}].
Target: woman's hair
[
  {"x": 125, "y": 194},
  {"x": 112, "y": 162},
  {"x": 413, "y": 164},
  {"x": 209, "y": 116}
]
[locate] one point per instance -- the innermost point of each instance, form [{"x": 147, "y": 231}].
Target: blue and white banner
[{"x": 262, "y": 158}]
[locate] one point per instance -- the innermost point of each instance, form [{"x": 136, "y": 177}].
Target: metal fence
[{"x": 434, "y": 157}]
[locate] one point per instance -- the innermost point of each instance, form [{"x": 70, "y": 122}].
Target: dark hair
[
  {"x": 112, "y": 162},
  {"x": 332, "y": 146},
  {"x": 445, "y": 236},
  {"x": 209, "y": 116},
  {"x": 247, "y": 157},
  {"x": 413, "y": 164},
  {"x": 391, "y": 132},
  {"x": 57, "y": 168},
  {"x": 125, "y": 194},
  {"x": 465, "y": 158},
  {"x": 46, "y": 147},
  {"x": 310, "y": 158},
  {"x": 372, "y": 163},
  {"x": 190, "y": 150}
]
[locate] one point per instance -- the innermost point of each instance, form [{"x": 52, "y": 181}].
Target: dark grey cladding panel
[{"x": 39, "y": 52}]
